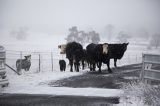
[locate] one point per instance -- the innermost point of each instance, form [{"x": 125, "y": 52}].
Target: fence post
[
  {"x": 20, "y": 60},
  {"x": 142, "y": 71},
  {"x": 136, "y": 59},
  {"x": 39, "y": 62},
  {"x": 52, "y": 60}
]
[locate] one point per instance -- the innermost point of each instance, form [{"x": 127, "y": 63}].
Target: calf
[
  {"x": 62, "y": 65},
  {"x": 24, "y": 63}
]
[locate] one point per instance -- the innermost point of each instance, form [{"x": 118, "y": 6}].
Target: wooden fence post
[
  {"x": 136, "y": 59},
  {"x": 39, "y": 62},
  {"x": 142, "y": 71},
  {"x": 52, "y": 60},
  {"x": 20, "y": 60}
]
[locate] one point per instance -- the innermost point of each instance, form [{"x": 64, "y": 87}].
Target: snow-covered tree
[
  {"x": 123, "y": 37},
  {"x": 155, "y": 41},
  {"x": 73, "y": 34},
  {"x": 82, "y": 37}
]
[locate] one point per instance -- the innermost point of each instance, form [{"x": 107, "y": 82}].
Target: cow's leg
[
  {"x": 90, "y": 65},
  {"x": 28, "y": 68},
  {"x": 94, "y": 66},
  {"x": 82, "y": 64},
  {"x": 77, "y": 67},
  {"x": 115, "y": 62},
  {"x": 60, "y": 67},
  {"x": 108, "y": 65},
  {"x": 99, "y": 66},
  {"x": 71, "y": 64},
  {"x": 65, "y": 67}
]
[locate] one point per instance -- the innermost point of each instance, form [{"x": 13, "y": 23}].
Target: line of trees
[
  {"x": 82, "y": 37},
  {"x": 154, "y": 41}
]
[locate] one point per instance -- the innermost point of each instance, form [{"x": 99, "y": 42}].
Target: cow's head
[
  {"x": 125, "y": 46},
  {"x": 28, "y": 57},
  {"x": 63, "y": 48},
  {"x": 105, "y": 48}
]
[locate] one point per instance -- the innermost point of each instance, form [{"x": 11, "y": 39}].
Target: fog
[{"x": 55, "y": 17}]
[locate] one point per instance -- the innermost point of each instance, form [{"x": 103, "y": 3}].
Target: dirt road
[{"x": 115, "y": 80}]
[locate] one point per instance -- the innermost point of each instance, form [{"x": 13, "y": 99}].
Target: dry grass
[{"x": 148, "y": 94}]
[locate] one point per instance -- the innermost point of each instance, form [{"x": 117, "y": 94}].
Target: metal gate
[
  {"x": 150, "y": 67},
  {"x": 3, "y": 80}
]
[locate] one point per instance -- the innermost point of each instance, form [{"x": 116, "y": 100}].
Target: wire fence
[
  {"x": 49, "y": 61},
  {"x": 40, "y": 61}
]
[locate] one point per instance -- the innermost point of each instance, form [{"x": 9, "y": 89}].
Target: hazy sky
[{"x": 56, "y": 16}]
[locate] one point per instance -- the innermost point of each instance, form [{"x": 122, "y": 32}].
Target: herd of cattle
[{"x": 94, "y": 55}]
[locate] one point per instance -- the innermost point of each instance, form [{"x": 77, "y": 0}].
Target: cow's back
[
  {"x": 72, "y": 48},
  {"x": 116, "y": 51}
]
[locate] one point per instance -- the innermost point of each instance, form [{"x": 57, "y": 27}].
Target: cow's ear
[
  {"x": 127, "y": 43},
  {"x": 59, "y": 46},
  {"x": 25, "y": 57}
]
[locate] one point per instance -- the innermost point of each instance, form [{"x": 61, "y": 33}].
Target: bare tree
[
  {"x": 82, "y": 37},
  {"x": 109, "y": 30},
  {"x": 20, "y": 34},
  {"x": 73, "y": 34},
  {"x": 155, "y": 41}
]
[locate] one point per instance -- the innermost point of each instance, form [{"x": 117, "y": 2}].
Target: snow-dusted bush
[{"x": 143, "y": 93}]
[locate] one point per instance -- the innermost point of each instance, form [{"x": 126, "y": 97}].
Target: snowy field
[{"x": 36, "y": 82}]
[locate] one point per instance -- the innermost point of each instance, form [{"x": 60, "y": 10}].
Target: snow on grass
[
  {"x": 97, "y": 92},
  {"x": 38, "y": 84},
  {"x": 137, "y": 93},
  {"x": 131, "y": 78},
  {"x": 35, "y": 79}
]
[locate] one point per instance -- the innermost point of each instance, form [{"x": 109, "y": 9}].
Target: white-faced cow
[
  {"x": 24, "y": 63},
  {"x": 74, "y": 53},
  {"x": 96, "y": 54},
  {"x": 62, "y": 47}
]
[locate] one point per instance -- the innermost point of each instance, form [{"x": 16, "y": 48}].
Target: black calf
[{"x": 62, "y": 65}]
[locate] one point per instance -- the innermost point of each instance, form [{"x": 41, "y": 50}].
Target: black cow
[
  {"x": 116, "y": 51},
  {"x": 62, "y": 65},
  {"x": 96, "y": 54},
  {"x": 74, "y": 53},
  {"x": 24, "y": 63}
]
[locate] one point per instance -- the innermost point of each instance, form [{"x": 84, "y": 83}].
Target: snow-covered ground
[
  {"x": 38, "y": 84},
  {"x": 34, "y": 82}
]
